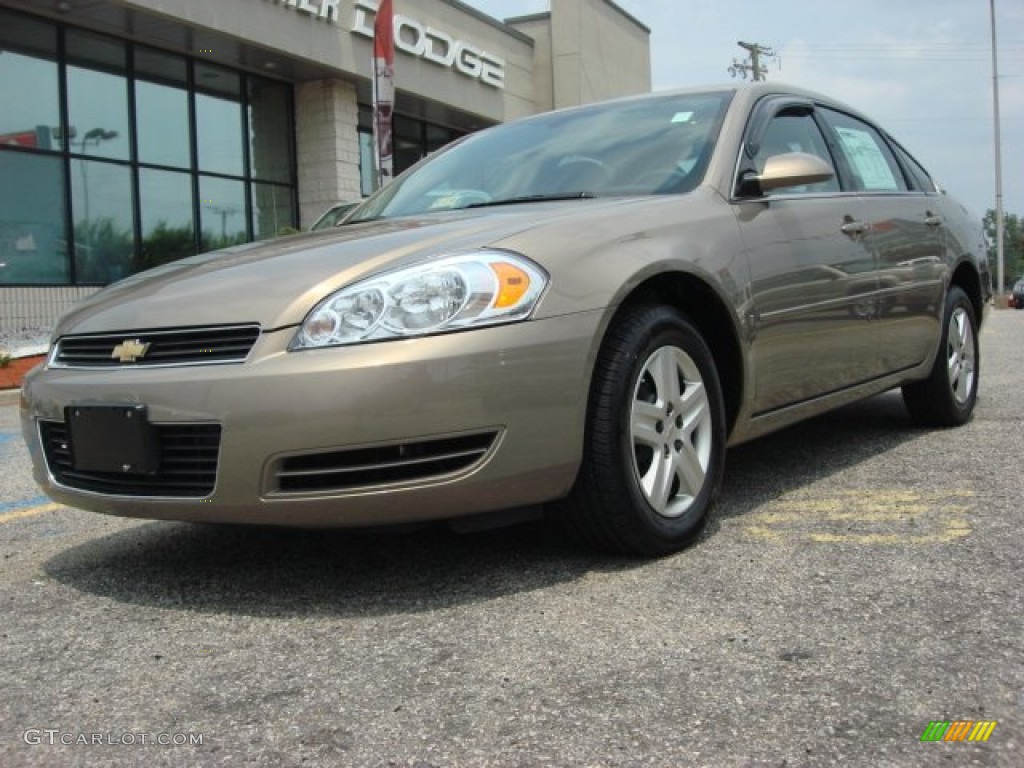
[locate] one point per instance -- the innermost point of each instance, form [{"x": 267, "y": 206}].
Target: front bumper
[{"x": 523, "y": 384}]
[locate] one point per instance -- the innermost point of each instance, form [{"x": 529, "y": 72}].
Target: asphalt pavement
[{"x": 860, "y": 580}]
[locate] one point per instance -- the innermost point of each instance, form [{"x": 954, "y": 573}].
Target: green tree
[
  {"x": 103, "y": 250},
  {"x": 1013, "y": 245},
  {"x": 165, "y": 243}
]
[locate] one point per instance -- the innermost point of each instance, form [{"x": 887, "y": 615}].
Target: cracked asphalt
[{"x": 860, "y": 579}]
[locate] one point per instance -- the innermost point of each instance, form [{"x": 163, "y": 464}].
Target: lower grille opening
[
  {"x": 188, "y": 463},
  {"x": 362, "y": 467}
]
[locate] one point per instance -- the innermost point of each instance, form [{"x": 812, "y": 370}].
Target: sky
[{"x": 920, "y": 68}]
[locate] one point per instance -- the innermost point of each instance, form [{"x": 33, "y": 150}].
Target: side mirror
[{"x": 792, "y": 169}]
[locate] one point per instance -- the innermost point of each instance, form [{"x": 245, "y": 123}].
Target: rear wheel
[
  {"x": 947, "y": 397},
  {"x": 655, "y": 438}
]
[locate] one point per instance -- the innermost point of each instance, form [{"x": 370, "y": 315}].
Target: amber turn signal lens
[{"x": 513, "y": 283}]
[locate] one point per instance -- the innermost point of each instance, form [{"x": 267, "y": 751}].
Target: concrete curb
[{"x": 9, "y": 396}]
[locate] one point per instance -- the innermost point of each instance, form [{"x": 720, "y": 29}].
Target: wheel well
[
  {"x": 712, "y": 318},
  {"x": 966, "y": 277}
]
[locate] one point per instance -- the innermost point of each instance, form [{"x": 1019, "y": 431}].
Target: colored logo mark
[{"x": 959, "y": 730}]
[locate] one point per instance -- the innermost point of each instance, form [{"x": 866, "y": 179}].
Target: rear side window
[
  {"x": 919, "y": 178},
  {"x": 869, "y": 158}
]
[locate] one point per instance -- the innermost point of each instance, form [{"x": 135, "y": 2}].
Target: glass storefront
[
  {"x": 414, "y": 140},
  {"x": 118, "y": 157}
]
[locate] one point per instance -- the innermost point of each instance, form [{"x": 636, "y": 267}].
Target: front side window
[{"x": 795, "y": 133}]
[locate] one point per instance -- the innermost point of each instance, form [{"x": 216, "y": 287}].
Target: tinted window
[
  {"x": 920, "y": 178},
  {"x": 113, "y": 190},
  {"x": 222, "y": 212},
  {"x": 101, "y": 206},
  {"x": 33, "y": 245},
  {"x": 97, "y": 97},
  {"x": 270, "y": 114},
  {"x": 30, "y": 116},
  {"x": 162, "y": 124},
  {"x": 869, "y": 159},
  {"x": 168, "y": 231},
  {"x": 641, "y": 147},
  {"x": 219, "y": 121},
  {"x": 795, "y": 133},
  {"x": 271, "y": 210}
]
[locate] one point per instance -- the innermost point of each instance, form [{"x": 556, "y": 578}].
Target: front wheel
[
  {"x": 947, "y": 397},
  {"x": 655, "y": 437}
]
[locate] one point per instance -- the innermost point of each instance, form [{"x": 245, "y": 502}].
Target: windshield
[{"x": 652, "y": 146}]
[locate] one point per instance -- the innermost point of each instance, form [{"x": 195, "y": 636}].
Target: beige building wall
[
  {"x": 598, "y": 52},
  {"x": 586, "y": 51},
  {"x": 538, "y": 27}
]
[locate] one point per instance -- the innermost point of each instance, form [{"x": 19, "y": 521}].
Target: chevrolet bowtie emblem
[{"x": 130, "y": 350}]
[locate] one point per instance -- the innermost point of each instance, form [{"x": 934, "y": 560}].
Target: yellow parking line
[
  {"x": 886, "y": 516},
  {"x": 18, "y": 514}
]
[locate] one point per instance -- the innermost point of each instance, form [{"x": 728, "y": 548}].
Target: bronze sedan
[{"x": 584, "y": 307}]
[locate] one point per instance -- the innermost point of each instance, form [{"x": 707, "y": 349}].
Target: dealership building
[{"x": 137, "y": 132}]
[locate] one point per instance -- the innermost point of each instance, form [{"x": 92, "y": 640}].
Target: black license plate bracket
[{"x": 113, "y": 438}]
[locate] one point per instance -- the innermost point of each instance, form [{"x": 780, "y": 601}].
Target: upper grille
[
  {"x": 362, "y": 467},
  {"x": 188, "y": 463},
  {"x": 184, "y": 346}
]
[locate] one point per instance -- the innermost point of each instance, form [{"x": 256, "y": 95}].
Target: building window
[
  {"x": 33, "y": 246},
  {"x": 414, "y": 140},
  {"x": 167, "y": 220},
  {"x": 122, "y": 157}
]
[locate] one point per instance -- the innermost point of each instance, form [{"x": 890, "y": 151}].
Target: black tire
[
  {"x": 947, "y": 397},
  {"x": 635, "y": 414}
]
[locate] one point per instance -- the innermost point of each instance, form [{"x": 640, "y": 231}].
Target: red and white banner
[
  {"x": 384, "y": 89},
  {"x": 21, "y": 139}
]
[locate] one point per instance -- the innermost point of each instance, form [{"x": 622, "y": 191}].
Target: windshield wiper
[{"x": 582, "y": 195}]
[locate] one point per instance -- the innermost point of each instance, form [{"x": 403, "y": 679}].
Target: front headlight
[{"x": 447, "y": 294}]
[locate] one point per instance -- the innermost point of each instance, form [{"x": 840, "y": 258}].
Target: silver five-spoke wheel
[
  {"x": 656, "y": 434},
  {"x": 670, "y": 425},
  {"x": 960, "y": 354},
  {"x": 946, "y": 398}
]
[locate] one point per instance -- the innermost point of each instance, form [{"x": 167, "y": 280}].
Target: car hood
[{"x": 276, "y": 283}]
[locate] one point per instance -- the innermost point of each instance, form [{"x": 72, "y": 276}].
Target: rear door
[{"x": 907, "y": 232}]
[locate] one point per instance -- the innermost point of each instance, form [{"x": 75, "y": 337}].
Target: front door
[{"x": 813, "y": 280}]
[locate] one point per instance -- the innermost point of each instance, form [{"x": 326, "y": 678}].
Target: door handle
[
  {"x": 855, "y": 228},
  {"x": 932, "y": 220}
]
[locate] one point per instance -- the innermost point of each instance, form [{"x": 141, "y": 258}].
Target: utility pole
[
  {"x": 756, "y": 70},
  {"x": 999, "y": 155}
]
